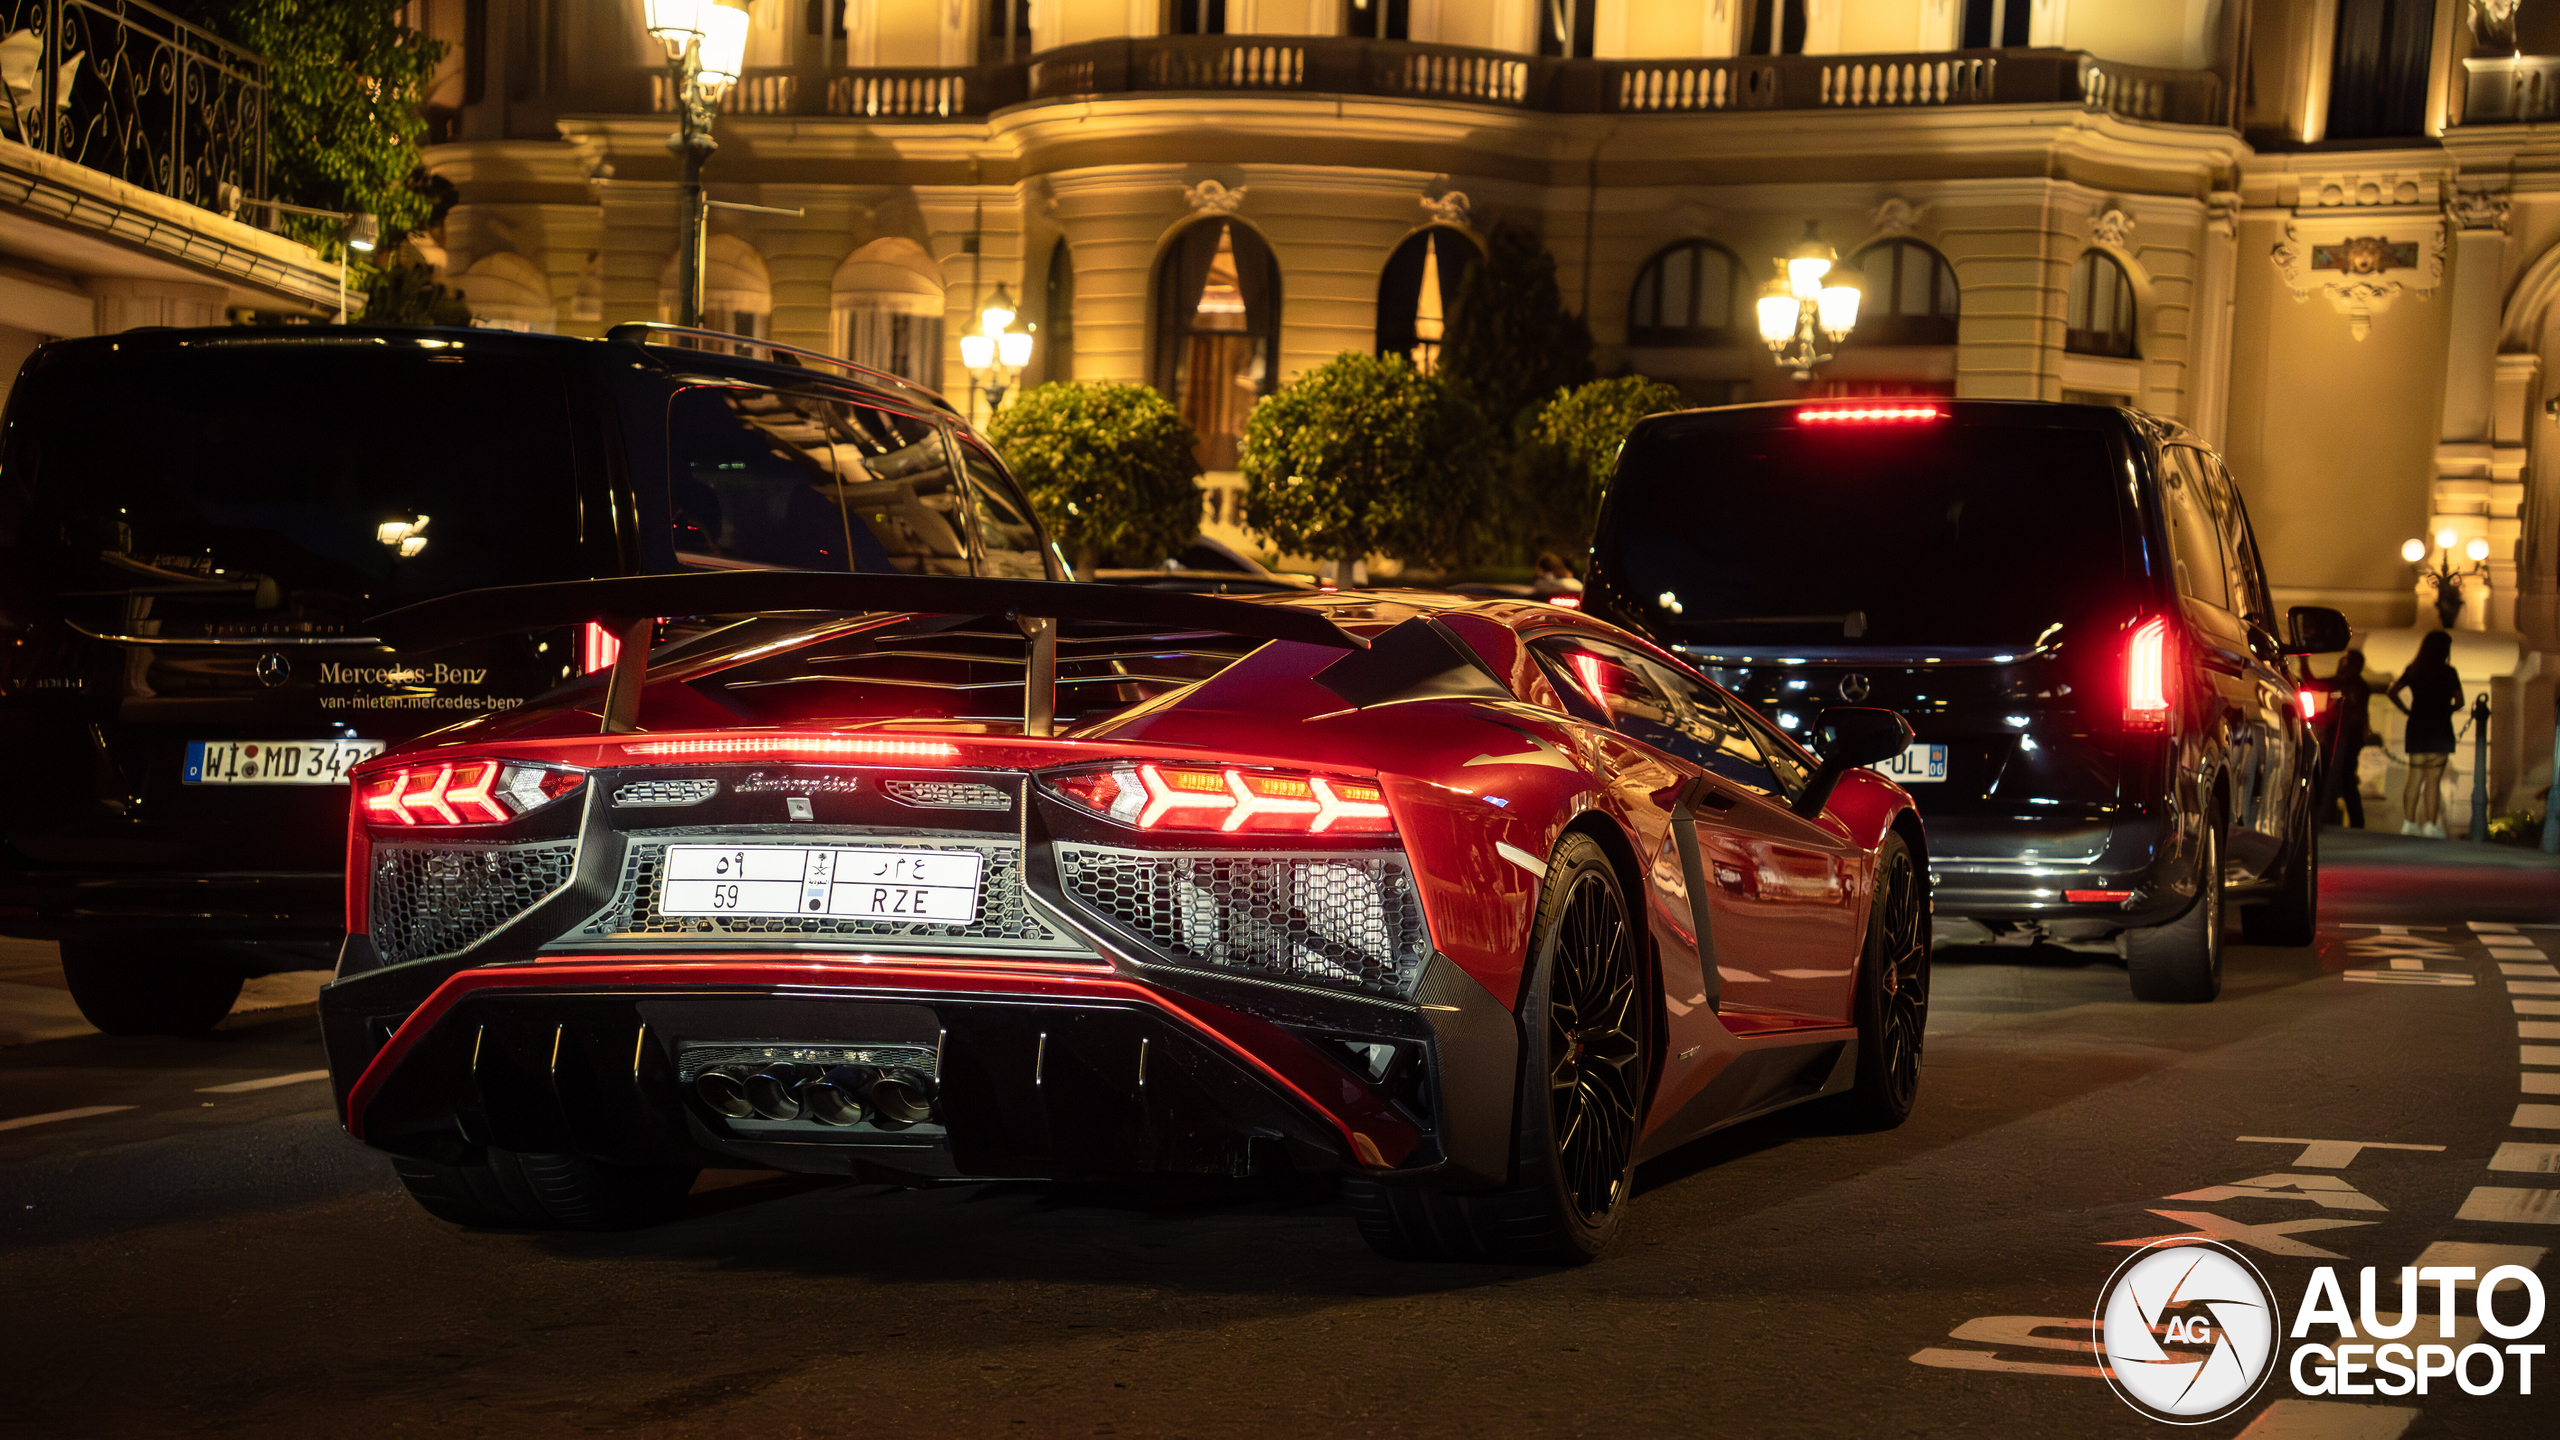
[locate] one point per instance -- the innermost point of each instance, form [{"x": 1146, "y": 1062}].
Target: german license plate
[
  {"x": 276, "y": 762},
  {"x": 1916, "y": 765},
  {"x": 900, "y": 883}
]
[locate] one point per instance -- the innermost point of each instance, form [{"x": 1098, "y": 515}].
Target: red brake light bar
[
  {"x": 1868, "y": 414},
  {"x": 886, "y": 748},
  {"x": 1226, "y": 798},
  {"x": 461, "y": 792},
  {"x": 2097, "y": 897},
  {"x": 2146, "y": 676}
]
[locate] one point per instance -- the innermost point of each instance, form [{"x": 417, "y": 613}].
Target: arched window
[
  {"x": 1217, "y": 318},
  {"x": 737, "y": 290},
  {"x": 1910, "y": 295},
  {"x": 1058, "y": 346},
  {"x": 886, "y": 302},
  {"x": 1691, "y": 294},
  {"x": 1418, "y": 290},
  {"x": 2101, "y": 321},
  {"x": 506, "y": 291}
]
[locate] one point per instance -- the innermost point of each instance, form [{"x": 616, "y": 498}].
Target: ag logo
[{"x": 2187, "y": 1331}]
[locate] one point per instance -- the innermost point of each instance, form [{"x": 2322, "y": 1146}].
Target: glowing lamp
[
  {"x": 1013, "y": 347},
  {"x": 724, "y": 44},
  {"x": 2478, "y": 550},
  {"x": 1778, "y": 315},
  {"x": 2414, "y": 551},
  {"x": 977, "y": 352},
  {"x": 1839, "y": 309},
  {"x": 2445, "y": 539}
]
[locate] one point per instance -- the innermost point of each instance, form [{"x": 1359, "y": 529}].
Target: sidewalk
[
  {"x": 35, "y": 1001},
  {"x": 2365, "y": 875}
]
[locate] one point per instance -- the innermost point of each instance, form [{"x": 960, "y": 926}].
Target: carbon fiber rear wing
[{"x": 630, "y": 607}]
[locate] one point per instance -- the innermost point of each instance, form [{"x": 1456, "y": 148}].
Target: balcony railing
[
  {"x": 132, "y": 91},
  {"x": 1333, "y": 65},
  {"x": 2511, "y": 89}
]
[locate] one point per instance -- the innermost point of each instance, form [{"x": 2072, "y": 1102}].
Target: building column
[
  {"x": 2463, "y": 496},
  {"x": 2209, "y": 343}
]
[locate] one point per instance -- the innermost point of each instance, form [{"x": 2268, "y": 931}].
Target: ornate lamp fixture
[
  {"x": 2447, "y": 580},
  {"x": 1798, "y": 313},
  {"x": 997, "y": 354},
  {"x": 706, "y": 44}
]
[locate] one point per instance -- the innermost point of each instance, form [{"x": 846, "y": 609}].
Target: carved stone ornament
[
  {"x": 1212, "y": 198},
  {"x": 2493, "y": 23},
  {"x": 2222, "y": 212},
  {"x": 2479, "y": 209},
  {"x": 1896, "y": 216},
  {"x": 2112, "y": 228},
  {"x": 1449, "y": 209},
  {"x": 2361, "y": 274}
]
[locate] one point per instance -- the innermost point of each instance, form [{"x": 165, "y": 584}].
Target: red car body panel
[{"x": 1481, "y": 790}]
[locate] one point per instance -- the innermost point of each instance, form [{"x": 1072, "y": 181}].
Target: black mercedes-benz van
[
  {"x": 195, "y": 524},
  {"x": 2068, "y": 605}
]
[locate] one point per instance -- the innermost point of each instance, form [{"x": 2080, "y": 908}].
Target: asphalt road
[{"x": 216, "y": 1259}]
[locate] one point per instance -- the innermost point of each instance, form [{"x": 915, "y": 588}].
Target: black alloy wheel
[
  {"x": 1595, "y": 1085},
  {"x": 2181, "y": 962},
  {"x": 1583, "y": 1028},
  {"x": 1893, "y": 990}
]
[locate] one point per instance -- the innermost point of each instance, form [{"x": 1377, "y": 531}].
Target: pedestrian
[
  {"x": 2435, "y": 693},
  {"x": 1553, "y": 577},
  {"x": 2350, "y": 728}
]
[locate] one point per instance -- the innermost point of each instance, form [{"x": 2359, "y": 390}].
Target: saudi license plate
[
  {"x": 899, "y": 883},
  {"x": 276, "y": 762},
  {"x": 1916, "y": 765}
]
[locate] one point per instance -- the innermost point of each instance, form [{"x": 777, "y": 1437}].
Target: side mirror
[
  {"x": 1847, "y": 737},
  {"x": 2316, "y": 630}
]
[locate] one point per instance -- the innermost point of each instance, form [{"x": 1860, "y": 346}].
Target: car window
[
  {"x": 1008, "y": 538},
  {"x": 899, "y": 491},
  {"x": 1650, "y": 702},
  {"x": 2248, "y": 572},
  {"x": 1791, "y": 771},
  {"x": 2187, "y": 497},
  {"x": 752, "y": 480}
]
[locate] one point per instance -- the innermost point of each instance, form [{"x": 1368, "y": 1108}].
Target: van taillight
[
  {"x": 2146, "y": 676},
  {"x": 598, "y": 648}
]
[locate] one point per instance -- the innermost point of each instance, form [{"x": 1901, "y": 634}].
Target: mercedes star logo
[
  {"x": 1855, "y": 688},
  {"x": 274, "y": 669}
]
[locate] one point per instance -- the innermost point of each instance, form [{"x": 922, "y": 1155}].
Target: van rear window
[
  {"x": 1912, "y": 534},
  {"x": 255, "y": 490}
]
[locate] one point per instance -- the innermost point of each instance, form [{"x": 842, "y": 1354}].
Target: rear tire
[
  {"x": 1893, "y": 992},
  {"x": 2292, "y": 915},
  {"x": 2181, "y": 962},
  {"x": 126, "y": 990},
  {"x": 1581, "y": 1094},
  {"x": 523, "y": 1190}
]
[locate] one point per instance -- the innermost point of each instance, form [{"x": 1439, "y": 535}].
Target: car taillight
[
  {"x": 461, "y": 792},
  {"x": 2311, "y": 702},
  {"x": 1868, "y": 414},
  {"x": 598, "y": 648},
  {"x": 1226, "y": 798},
  {"x": 2146, "y": 676}
]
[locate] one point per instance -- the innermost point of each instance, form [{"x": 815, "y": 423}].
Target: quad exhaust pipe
[{"x": 839, "y": 1096}]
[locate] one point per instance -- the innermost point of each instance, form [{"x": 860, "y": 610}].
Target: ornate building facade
[{"x": 2325, "y": 234}]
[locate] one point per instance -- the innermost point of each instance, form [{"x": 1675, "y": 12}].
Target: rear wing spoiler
[{"x": 629, "y": 607}]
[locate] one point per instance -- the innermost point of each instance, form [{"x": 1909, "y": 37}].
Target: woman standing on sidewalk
[
  {"x": 2435, "y": 693},
  {"x": 2350, "y": 725}
]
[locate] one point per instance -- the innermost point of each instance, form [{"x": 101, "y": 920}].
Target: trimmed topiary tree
[
  {"x": 1108, "y": 466},
  {"x": 1357, "y": 457},
  {"x": 1589, "y": 422}
]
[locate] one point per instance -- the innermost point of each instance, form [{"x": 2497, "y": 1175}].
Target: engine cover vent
[{"x": 1345, "y": 920}]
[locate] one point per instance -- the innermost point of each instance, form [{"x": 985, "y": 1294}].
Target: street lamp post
[
  {"x": 996, "y": 355},
  {"x": 2447, "y": 580},
  {"x": 1798, "y": 313},
  {"x": 706, "y": 43}
]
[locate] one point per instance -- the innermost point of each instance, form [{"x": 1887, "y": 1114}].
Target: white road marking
[
  {"x": 83, "y": 1113},
  {"x": 2479, "y": 1259},
  {"x": 2330, "y": 1154},
  {"x": 2018, "y": 1330},
  {"x": 2541, "y": 1082},
  {"x": 2538, "y": 1054},
  {"x": 2269, "y": 1238},
  {"x": 2508, "y": 1206},
  {"x": 1521, "y": 858},
  {"x": 2489, "y": 927},
  {"x": 2328, "y": 1420},
  {"x": 2529, "y": 1158},
  {"x": 2538, "y": 1029},
  {"x": 2513, "y": 947},
  {"x": 2408, "y": 964},
  {"x": 2536, "y": 1007},
  {"x": 2536, "y": 1117},
  {"x": 2326, "y": 1191},
  {"x": 2529, "y": 972},
  {"x": 237, "y": 1087},
  {"x": 2408, "y": 977},
  {"x": 2533, "y": 987}
]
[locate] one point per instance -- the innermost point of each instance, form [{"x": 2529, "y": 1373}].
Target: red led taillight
[
  {"x": 2312, "y": 703},
  {"x": 1868, "y": 414},
  {"x": 2097, "y": 897},
  {"x": 598, "y": 648},
  {"x": 1227, "y": 798},
  {"x": 2146, "y": 675},
  {"x": 460, "y": 792}
]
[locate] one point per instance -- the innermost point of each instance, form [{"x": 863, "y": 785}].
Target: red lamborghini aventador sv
[{"x": 916, "y": 879}]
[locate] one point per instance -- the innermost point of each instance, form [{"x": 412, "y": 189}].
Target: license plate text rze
[{"x": 901, "y": 883}]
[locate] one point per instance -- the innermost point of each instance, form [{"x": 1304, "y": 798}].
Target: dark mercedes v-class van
[
  {"x": 2068, "y": 605},
  {"x": 195, "y": 524}
]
